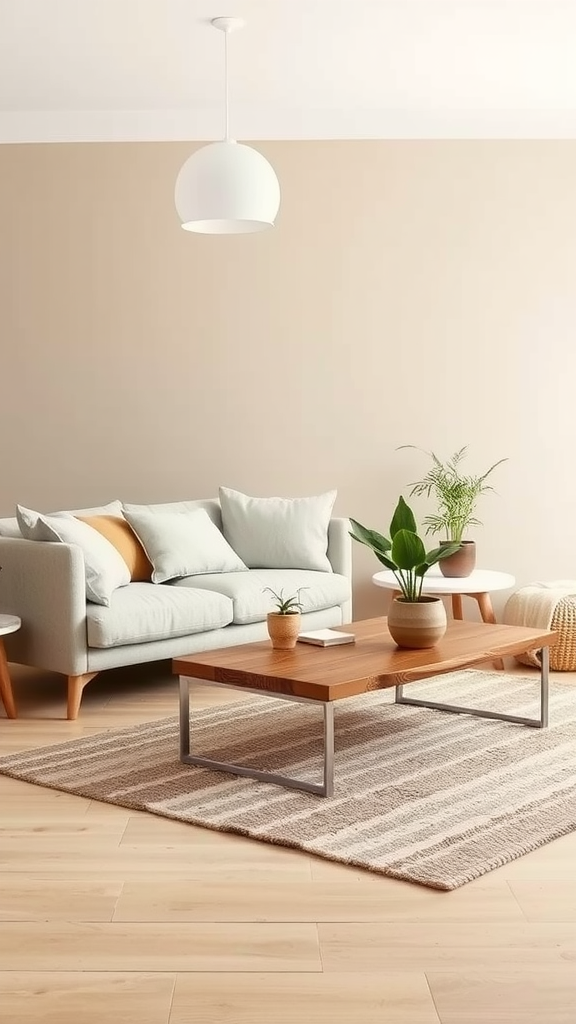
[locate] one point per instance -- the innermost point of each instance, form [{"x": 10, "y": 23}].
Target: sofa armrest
[
  {"x": 340, "y": 547},
  {"x": 44, "y": 583},
  {"x": 340, "y": 556}
]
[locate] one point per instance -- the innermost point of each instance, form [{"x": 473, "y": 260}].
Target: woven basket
[{"x": 563, "y": 653}]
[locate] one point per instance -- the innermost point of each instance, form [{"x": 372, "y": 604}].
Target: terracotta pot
[
  {"x": 283, "y": 630},
  {"x": 462, "y": 562},
  {"x": 417, "y": 624}
]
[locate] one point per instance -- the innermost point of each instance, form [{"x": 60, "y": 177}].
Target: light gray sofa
[{"x": 44, "y": 583}]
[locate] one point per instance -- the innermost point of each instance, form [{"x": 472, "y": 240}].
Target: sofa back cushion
[
  {"x": 278, "y": 533},
  {"x": 10, "y": 527},
  {"x": 210, "y": 505}
]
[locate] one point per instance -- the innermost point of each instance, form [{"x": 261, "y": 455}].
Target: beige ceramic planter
[
  {"x": 417, "y": 624},
  {"x": 283, "y": 630}
]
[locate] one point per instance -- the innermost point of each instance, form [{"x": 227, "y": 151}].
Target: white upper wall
[{"x": 94, "y": 70}]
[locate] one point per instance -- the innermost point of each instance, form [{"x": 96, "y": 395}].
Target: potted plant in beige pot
[
  {"x": 456, "y": 494},
  {"x": 284, "y": 623},
  {"x": 414, "y": 620}
]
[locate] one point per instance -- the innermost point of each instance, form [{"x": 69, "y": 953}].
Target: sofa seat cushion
[
  {"x": 142, "y": 612},
  {"x": 245, "y": 590}
]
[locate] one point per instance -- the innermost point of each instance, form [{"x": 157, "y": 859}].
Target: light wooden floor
[{"x": 110, "y": 915}]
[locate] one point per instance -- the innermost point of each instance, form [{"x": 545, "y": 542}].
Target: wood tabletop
[{"x": 374, "y": 662}]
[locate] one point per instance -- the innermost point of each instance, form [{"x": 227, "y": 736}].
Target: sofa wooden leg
[{"x": 76, "y": 686}]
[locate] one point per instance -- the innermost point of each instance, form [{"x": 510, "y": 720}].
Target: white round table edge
[
  {"x": 9, "y": 624},
  {"x": 481, "y": 581}
]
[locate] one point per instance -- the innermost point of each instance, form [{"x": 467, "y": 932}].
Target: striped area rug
[{"x": 420, "y": 795}]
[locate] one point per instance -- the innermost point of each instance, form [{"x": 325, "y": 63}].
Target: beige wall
[{"x": 412, "y": 292}]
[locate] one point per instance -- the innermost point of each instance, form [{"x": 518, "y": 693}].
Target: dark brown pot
[{"x": 462, "y": 562}]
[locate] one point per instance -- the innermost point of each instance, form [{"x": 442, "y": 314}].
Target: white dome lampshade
[{"x": 227, "y": 188}]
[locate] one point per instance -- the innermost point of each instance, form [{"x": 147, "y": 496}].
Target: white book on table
[{"x": 326, "y": 637}]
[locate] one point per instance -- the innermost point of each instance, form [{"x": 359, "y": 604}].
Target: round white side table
[
  {"x": 478, "y": 586},
  {"x": 8, "y": 624}
]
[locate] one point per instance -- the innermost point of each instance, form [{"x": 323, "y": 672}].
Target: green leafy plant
[
  {"x": 404, "y": 553},
  {"x": 286, "y": 605},
  {"x": 455, "y": 492}
]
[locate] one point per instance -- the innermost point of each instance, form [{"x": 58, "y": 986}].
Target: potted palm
[
  {"x": 414, "y": 620},
  {"x": 456, "y": 494},
  {"x": 284, "y": 623}
]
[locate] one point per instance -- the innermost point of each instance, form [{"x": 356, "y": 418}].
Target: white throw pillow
[
  {"x": 278, "y": 533},
  {"x": 183, "y": 544},
  {"x": 105, "y": 568},
  {"x": 10, "y": 528}
]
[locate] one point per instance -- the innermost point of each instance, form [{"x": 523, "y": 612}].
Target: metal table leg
[
  {"x": 535, "y": 723},
  {"x": 325, "y": 788}
]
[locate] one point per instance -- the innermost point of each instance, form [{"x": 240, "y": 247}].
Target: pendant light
[{"x": 227, "y": 188}]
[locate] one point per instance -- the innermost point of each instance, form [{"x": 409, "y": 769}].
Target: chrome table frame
[
  {"x": 325, "y": 788},
  {"x": 534, "y": 723}
]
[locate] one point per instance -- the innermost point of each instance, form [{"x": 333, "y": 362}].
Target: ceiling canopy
[{"x": 88, "y": 70}]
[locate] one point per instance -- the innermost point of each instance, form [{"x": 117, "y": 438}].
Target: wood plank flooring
[{"x": 108, "y": 914}]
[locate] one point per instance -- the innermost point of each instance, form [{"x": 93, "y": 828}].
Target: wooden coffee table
[{"x": 324, "y": 675}]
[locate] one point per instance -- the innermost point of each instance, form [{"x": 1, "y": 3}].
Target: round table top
[
  {"x": 481, "y": 581},
  {"x": 9, "y": 624}
]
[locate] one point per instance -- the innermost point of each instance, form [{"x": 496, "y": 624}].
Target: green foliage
[
  {"x": 455, "y": 492},
  {"x": 405, "y": 553},
  {"x": 286, "y": 605}
]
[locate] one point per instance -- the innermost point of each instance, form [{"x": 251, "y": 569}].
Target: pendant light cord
[
  {"x": 227, "y": 25},
  {"x": 226, "y": 100}
]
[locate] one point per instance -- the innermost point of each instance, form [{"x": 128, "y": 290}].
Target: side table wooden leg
[
  {"x": 457, "y": 606},
  {"x": 487, "y": 613},
  {"x": 6, "y": 684}
]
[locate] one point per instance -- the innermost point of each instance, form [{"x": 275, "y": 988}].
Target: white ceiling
[{"x": 83, "y": 70}]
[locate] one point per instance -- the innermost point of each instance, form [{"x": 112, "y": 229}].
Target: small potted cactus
[{"x": 284, "y": 623}]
